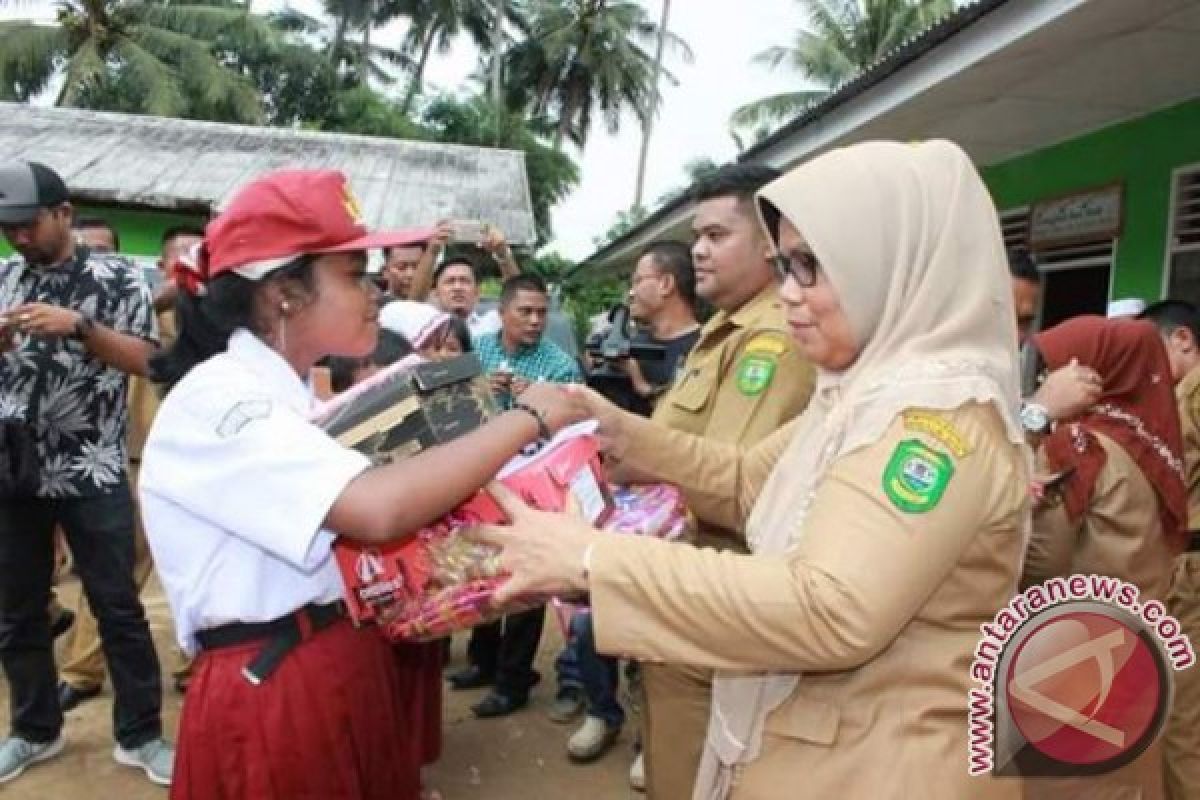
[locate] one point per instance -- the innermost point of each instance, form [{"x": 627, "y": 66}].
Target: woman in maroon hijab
[{"x": 1120, "y": 508}]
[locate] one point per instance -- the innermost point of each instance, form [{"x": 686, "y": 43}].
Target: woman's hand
[{"x": 543, "y": 552}]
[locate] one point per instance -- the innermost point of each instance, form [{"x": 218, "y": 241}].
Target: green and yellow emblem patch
[
  {"x": 755, "y": 373},
  {"x": 916, "y": 476}
]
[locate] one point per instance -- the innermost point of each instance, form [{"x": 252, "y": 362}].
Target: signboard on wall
[{"x": 1077, "y": 218}]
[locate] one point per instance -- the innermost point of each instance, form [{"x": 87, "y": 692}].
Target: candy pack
[
  {"x": 652, "y": 509},
  {"x": 438, "y": 582}
]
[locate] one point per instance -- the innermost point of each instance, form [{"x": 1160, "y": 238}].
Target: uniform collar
[
  {"x": 1188, "y": 385},
  {"x": 750, "y": 311},
  {"x": 270, "y": 368}
]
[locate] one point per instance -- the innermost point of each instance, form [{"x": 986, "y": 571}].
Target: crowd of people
[{"x": 877, "y": 446}]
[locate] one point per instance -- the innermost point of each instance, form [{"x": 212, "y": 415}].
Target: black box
[{"x": 408, "y": 408}]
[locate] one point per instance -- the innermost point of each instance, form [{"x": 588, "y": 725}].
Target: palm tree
[
  {"x": 583, "y": 57},
  {"x": 435, "y": 24},
  {"x": 134, "y": 55},
  {"x": 354, "y": 62},
  {"x": 843, "y": 38},
  {"x": 647, "y": 128}
]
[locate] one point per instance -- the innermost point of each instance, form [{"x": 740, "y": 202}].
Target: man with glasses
[{"x": 743, "y": 380}]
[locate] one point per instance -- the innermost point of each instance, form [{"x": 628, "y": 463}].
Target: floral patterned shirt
[{"x": 80, "y": 411}]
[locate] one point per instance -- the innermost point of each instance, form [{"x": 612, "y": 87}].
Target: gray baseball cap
[{"x": 27, "y": 187}]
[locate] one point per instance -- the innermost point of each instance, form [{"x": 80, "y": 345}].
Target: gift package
[
  {"x": 408, "y": 407},
  {"x": 438, "y": 581},
  {"x": 657, "y": 510}
]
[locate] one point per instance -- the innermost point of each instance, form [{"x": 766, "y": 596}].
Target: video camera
[{"x": 613, "y": 347}]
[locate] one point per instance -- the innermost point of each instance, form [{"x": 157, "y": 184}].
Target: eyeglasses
[{"x": 802, "y": 268}]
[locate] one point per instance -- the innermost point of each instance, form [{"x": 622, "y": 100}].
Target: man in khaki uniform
[
  {"x": 1179, "y": 324},
  {"x": 82, "y": 673},
  {"x": 741, "y": 381}
]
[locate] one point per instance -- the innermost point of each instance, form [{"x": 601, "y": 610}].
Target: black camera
[{"x": 607, "y": 350}]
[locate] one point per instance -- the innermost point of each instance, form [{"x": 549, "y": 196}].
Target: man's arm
[
  {"x": 497, "y": 245},
  {"x": 422, "y": 283},
  {"x": 124, "y": 351},
  {"x": 164, "y": 296}
]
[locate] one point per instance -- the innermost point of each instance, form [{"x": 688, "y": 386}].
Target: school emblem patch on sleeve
[
  {"x": 754, "y": 373},
  {"x": 916, "y": 476}
]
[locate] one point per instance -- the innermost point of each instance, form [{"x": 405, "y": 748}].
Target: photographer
[{"x": 662, "y": 303}]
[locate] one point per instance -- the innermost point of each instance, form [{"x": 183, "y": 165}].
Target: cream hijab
[{"x": 909, "y": 239}]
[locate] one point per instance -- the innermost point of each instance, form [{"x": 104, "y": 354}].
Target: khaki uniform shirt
[
  {"x": 1181, "y": 741},
  {"x": 1187, "y": 393},
  {"x": 1120, "y": 535},
  {"x": 880, "y": 607},
  {"x": 143, "y": 395},
  {"x": 742, "y": 381}
]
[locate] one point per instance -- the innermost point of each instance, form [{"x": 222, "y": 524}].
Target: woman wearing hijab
[
  {"x": 1121, "y": 508},
  {"x": 886, "y": 524}
]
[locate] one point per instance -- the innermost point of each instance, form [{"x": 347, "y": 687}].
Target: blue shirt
[{"x": 544, "y": 361}]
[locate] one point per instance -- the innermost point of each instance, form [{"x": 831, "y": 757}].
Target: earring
[{"x": 285, "y": 307}]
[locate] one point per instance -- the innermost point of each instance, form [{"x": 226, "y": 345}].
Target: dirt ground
[{"x": 521, "y": 757}]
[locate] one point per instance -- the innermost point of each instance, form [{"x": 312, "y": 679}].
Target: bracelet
[{"x": 543, "y": 428}]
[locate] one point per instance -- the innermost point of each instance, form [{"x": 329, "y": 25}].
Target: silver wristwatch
[{"x": 1035, "y": 419}]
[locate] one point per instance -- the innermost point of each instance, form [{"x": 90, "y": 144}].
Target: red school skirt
[
  {"x": 332, "y": 722},
  {"x": 421, "y": 664}
]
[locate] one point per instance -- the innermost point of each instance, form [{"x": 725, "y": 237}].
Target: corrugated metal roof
[{"x": 177, "y": 164}]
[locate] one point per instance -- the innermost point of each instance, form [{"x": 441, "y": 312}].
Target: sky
[{"x": 693, "y": 119}]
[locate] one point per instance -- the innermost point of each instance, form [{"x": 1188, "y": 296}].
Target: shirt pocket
[
  {"x": 695, "y": 387},
  {"x": 804, "y": 719}
]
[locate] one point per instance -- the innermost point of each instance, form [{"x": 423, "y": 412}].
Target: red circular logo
[{"x": 1086, "y": 688}]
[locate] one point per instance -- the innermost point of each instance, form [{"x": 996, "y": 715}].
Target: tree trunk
[
  {"x": 339, "y": 37},
  {"x": 648, "y": 126},
  {"x": 365, "y": 68},
  {"x": 414, "y": 85},
  {"x": 498, "y": 55}
]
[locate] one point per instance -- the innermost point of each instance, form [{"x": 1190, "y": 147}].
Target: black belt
[
  {"x": 1194, "y": 543},
  {"x": 281, "y": 636}
]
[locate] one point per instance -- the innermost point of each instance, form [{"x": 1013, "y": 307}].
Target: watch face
[{"x": 1034, "y": 418}]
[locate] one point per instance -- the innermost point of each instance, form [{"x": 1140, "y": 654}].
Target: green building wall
[
  {"x": 141, "y": 231},
  {"x": 1141, "y": 153}
]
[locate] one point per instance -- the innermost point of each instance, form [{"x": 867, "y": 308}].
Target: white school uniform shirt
[
  {"x": 235, "y": 485},
  {"x": 483, "y": 324}
]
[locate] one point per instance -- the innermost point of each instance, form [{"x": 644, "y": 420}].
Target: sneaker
[
  {"x": 16, "y": 754},
  {"x": 592, "y": 740},
  {"x": 567, "y": 706},
  {"x": 156, "y": 758},
  {"x": 637, "y": 773}
]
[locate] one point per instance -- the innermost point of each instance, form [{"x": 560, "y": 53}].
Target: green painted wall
[
  {"x": 1142, "y": 153},
  {"x": 140, "y": 231}
]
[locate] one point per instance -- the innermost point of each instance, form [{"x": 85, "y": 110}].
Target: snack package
[
  {"x": 652, "y": 509},
  {"x": 438, "y": 582}
]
